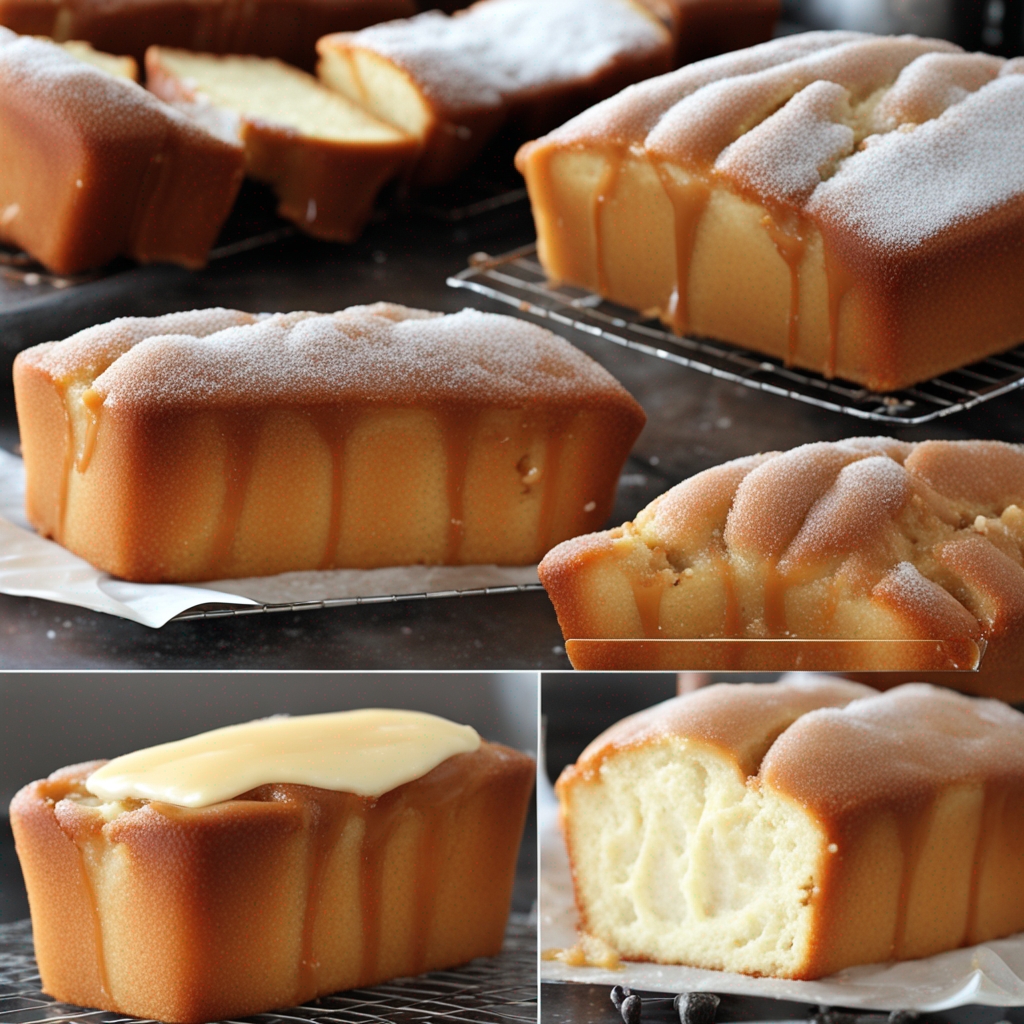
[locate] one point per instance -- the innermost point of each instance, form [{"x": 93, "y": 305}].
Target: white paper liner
[
  {"x": 991, "y": 974},
  {"x": 31, "y": 566}
]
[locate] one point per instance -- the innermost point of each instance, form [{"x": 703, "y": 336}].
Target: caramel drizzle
[
  {"x": 992, "y": 811},
  {"x": 457, "y": 427},
  {"x": 380, "y": 821},
  {"x": 93, "y": 403},
  {"x": 774, "y": 600},
  {"x": 791, "y": 246},
  {"x": 241, "y": 435},
  {"x": 427, "y": 877},
  {"x": 648, "y": 595},
  {"x": 334, "y": 426},
  {"x": 840, "y": 282},
  {"x": 733, "y": 619},
  {"x": 69, "y": 465},
  {"x": 326, "y": 828},
  {"x": 689, "y": 200},
  {"x": 557, "y": 427},
  {"x": 605, "y": 188},
  {"x": 90, "y": 894},
  {"x": 913, "y": 831}
]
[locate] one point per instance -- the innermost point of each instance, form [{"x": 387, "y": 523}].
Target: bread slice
[
  {"x": 286, "y": 29},
  {"x": 868, "y": 538},
  {"x": 96, "y": 167},
  {"x": 851, "y": 205},
  {"x": 218, "y": 444},
  {"x": 119, "y": 67},
  {"x": 452, "y": 82},
  {"x": 797, "y": 828},
  {"x": 268, "y": 900},
  {"x": 325, "y": 157}
]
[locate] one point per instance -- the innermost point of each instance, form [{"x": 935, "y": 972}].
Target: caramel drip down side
[
  {"x": 241, "y": 434},
  {"x": 733, "y": 626},
  {"x": 689, "y": 200},
  {"x": 69, "y": 465},
  {"x": 428, "y": 867},
  {"x": 380, "y": 818},
  {"x": 334, "y": 425},
  {"x": 90, "y": 895},
  {"x": 993, "y": 809},
  {"x": 605, "y": 189},
  {"x": 93, "y": 403},
  {"x": 648, "y": 595},
  {"x": 458, "y": 428},
  {"x": 557, "y": 426},
  {"x": 774, "y": 601},
  {"x": 913, "y": 825},
  {"x": 325, "y": 831},
  {"x": 791, "y": 246},
  {"x": 840, "y": 282}
]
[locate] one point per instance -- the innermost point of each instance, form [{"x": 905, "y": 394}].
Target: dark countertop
[{"x": 695, "y": 421}]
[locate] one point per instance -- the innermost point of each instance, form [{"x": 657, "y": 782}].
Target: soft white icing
[{"x": 368, "y": 752}]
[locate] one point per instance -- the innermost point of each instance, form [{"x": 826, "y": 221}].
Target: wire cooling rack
[
  {"x": 490, "y": 990},
  {"x": 518, "y": 280}
]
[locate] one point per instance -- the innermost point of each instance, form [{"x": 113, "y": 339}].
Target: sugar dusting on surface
[
  {"x": 877, "y": 502},
  {"x": 501, "y": 48},
  {"x": 221, "y": 358},
  {"x": 99, "y": 105},
  {"x": 895, "y": 747}
]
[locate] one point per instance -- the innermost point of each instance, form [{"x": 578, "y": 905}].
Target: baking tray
[
  {"x": 518, "y": 280},
  {"x": 489, "y": 990}
]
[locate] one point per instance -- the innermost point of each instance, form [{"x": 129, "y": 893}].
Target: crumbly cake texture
[
  {"x": 454, "y": 81},
  {"x": 271, "y": 899},
  {"x": 218, "y": 444},
  {"x": 95, "y": 167},
  {"x": 286, "y": 29},
  {"x": 796, "y": 828},
  {"x": 805, "y": 198},
  {"x": 326, "y": 158},
  {"x": 868, "y": 538}
]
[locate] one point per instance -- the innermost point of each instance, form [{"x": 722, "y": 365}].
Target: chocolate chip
[
  {"x": 696, "y": 1007},
  {"x": 630, "y": 1009},
  {"x": 618, "y": 996}
]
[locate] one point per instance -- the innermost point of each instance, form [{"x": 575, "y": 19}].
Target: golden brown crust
[
  {"x": 77, "y": 183},
  {"x": 268, "y": 900},
  {"x": 276, "y": 445},
  {"x": 862, "y": 539},
  {"x": 803, "y": 198},
  {"x": 286, "y": 29}
]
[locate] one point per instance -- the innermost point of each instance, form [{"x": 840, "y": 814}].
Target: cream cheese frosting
[{"x": 368, "y": 752}]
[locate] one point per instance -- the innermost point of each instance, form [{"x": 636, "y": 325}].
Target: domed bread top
[
  {"x": 499, "y": 51},
  {"x": 863, "y": 538},
  {"x": 897, "y": 749},
  {"x": 201, "y": 359},
  {"x": 743, "y": 719}
]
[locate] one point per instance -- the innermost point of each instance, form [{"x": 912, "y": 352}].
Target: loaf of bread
[
  {"x": 287, "y": 29},
  {"x": 95, "y": 167},
  {"x": 869, "y": 538},
  {"x": 280, "y": 893},
  {"x": 219, "y": 444},
  {"x": 849, "y": 204},
  {"x": 796, "y": 828},
  {"x": 453, "y": 82},
  {"x": 325, "y": 157}
]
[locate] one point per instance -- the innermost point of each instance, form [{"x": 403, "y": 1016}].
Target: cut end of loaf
[{"x": 677, "y": 858}]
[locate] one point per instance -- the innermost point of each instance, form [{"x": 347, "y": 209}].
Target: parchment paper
[
  {"x": 31, "y": 566},
  {"x": 991, "y": 974}
]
